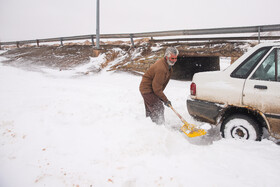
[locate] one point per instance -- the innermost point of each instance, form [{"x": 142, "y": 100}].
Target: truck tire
[{"x": 239, "y": 126}]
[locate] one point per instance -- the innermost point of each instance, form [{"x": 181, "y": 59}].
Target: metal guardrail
[
  {"x": 228, "y": 30},
  {"x": 222, "y": 39}
]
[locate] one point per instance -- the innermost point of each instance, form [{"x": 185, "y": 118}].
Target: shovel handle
[
  {"x": 181, "y": 118},
  {"x": 189, "y": 129},
  {"x": 190, "y": 126}
]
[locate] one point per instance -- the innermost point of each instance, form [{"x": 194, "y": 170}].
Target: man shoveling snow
[{"x": 153, "y": 84}]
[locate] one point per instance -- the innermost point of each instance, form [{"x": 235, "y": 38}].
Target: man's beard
[{"x": 170, "y": 63}]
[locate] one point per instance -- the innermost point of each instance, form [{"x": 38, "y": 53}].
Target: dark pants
[{"x": 154, "y": 108}]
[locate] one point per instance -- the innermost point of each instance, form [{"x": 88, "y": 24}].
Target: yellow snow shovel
[{"x": 189, "y": 129}]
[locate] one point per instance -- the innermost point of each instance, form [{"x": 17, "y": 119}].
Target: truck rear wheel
[{"x": 239, "y": 126}]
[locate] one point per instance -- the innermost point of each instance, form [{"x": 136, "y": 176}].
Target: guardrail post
[
  {"x": 131, "y": 39},
  {"x": 37, "y": 43},
  {"x": 276, "y": 56},
  {"x": 61, "y": 41},
  {"x": 92, "y": 40},
  {"x": 259, "y": 34}
]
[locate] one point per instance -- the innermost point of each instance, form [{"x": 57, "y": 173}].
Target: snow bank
[{"x": 91, "y": 131}]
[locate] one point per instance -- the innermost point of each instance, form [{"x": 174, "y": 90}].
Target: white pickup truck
[{"x": 244, "y": 99}]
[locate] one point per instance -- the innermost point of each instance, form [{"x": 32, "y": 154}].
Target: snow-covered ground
[{"x": 59, "y": 128}]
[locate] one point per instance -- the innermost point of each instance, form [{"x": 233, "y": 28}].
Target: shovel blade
[{"x": 191, "y": 131}]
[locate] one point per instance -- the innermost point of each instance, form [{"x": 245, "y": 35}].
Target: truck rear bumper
[{"x": 204, "y": 111}]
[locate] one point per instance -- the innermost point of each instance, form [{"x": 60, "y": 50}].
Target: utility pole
[{"x": 97, "y": 24}]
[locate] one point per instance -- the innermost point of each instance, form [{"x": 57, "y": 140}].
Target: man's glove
[{"x": 167, "y": 103}]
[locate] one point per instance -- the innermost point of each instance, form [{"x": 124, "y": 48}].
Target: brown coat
[{"x": 156, "y": 79}]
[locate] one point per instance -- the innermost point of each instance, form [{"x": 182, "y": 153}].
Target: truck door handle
[{"x": 261, "y": 87}]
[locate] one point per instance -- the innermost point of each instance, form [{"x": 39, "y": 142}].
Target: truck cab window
[
  {"x": 249, "y": 64},
  {"x": 266, "y": 71}
]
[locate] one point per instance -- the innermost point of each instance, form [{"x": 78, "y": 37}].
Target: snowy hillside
[{"x": 61, "y": 128}]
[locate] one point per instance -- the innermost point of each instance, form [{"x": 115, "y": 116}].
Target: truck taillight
[{"x": 193, "y": 89}]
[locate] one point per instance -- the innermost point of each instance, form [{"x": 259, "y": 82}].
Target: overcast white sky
[{"x": 37, "y": 19}]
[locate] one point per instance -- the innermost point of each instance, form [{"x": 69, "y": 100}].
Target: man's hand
[{"x": 167, "y": 103}]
